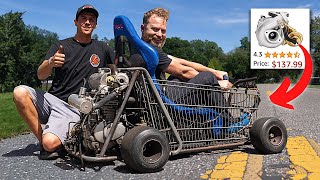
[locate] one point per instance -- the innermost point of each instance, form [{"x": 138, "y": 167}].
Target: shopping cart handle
[{"x": 246, "y": 83}]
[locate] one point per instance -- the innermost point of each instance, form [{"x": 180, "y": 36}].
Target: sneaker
[{"x": 45, "y": 155}]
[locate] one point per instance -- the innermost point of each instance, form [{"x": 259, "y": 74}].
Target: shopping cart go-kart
[{"x": 130, "y": 115}]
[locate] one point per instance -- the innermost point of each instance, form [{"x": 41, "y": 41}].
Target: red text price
[{"x": 287, "y": 64}]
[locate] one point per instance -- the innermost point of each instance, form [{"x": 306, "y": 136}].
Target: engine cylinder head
[{"x": 102, "y": 130}]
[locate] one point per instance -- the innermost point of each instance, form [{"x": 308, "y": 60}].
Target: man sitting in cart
[{"x": 153, "y": 31}]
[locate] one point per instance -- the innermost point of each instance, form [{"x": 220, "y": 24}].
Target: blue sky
[{"x": 222, "y": 21}]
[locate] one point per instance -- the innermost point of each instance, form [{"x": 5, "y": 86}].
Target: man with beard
[{"x": 72, "y": 60}]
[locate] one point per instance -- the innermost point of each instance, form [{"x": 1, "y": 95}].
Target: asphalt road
[{"x": 18, "y": 158}]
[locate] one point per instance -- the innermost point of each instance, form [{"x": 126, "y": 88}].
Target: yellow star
[
  {"x": 275, "y": 54},
  {"x": 296, "y": 55},
  {"x": 267, "y": 55},
  {"x": 282, "y": 54},
  {"x": 289, "y": 54}
]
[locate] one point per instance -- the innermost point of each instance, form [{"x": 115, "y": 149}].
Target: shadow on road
[
  {"x": 66, "y": 162},
  {"x": 71, "y": 163},
  {"x": 27, "y": 151},
  {"x": 125, "y": 170}
]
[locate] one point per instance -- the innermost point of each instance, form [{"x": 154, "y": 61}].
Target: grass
[
  {"x": 10, "y": 121},
  {"x": 314, "y": 86}
]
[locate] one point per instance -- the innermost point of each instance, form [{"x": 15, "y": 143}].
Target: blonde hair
[{"x": 157, "y": 11}]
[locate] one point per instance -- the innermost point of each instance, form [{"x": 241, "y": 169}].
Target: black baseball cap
[{"x": 87, "y": 8}]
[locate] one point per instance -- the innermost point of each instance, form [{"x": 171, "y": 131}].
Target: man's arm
[
  {"x": 45, "y": 69},
  {"x": 187, "y": 69},
  {"x": 178, "y": 69}
]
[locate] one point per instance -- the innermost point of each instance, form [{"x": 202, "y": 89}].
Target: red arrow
[{"x": 282, "y": 96}]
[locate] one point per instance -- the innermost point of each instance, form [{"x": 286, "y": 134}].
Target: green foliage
[
  {"x": 215, "y": 63},
  {"x": 22, "y": 49},
  {"x": 179, "y": 48},
  {"x": 245, "y": 44},
  {"x": 95, "y": 37},
  {"x": 110, "y": 42},
  {"x": 196, "y": 50},
  {"x": 314, "y": 86},
  {"x": 315, "y": 44},
  {"x": 11, "y": 36},
  {"x": 238, "y": 63}
]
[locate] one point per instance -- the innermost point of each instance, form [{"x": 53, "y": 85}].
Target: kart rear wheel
[
  {"x": 145, "y": 149},
  {"x": 268, "y": 135}
]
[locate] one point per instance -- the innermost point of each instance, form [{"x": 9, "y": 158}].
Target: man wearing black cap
[{"x": 70, "y": 61}]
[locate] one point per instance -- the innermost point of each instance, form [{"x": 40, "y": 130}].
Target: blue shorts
[{"x": 53, "y": 113}]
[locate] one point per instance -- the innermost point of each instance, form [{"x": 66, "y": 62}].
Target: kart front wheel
[
  {"x": 268, "y": 135},
  {"x": 145, "y": 149}
]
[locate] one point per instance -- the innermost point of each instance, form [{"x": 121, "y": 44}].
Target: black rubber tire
[
  {"x": 145, "y": 149},
  {"x": 268, "y": 135}
]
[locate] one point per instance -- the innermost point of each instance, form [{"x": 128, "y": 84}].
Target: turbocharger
[{"x": 270, "y": 31}]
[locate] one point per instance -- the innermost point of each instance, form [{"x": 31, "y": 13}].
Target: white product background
[{"x": 299, "y": 19}]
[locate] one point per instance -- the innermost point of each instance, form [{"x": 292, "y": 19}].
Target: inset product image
[{"x": 274, "y": 31}]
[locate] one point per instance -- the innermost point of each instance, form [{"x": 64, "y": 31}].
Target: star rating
[
  {"x": 275, "y": 54},
  {"x": 282, "y": 55},
  {"x": 267, "y": 55}
]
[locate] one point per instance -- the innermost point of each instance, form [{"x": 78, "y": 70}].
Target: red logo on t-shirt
[{"x": 94, "y": 60}]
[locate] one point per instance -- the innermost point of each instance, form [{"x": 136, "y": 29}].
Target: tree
[
  {"x": 315, "y": 44},
  {"x": 238, "y": 64},
  {"x": 215, "y": 63},
  {"x": 11, "y": 43},
  {"x": 245, "y": 44},
  {"x": 196, "y": 50},
  {"x": 204, "y": 51},
  {"x": 37, "y": 43},
  {"x": 179, "y": 48},
  {"x": 95, "y": 37},
  {"x": 109, "y": 42},
  {"x": 22, "y": 49}
]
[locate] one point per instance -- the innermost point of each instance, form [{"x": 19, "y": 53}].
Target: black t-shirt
[
  {"x": 81, "y": 60},
  {"x": 164, "y": 62}
]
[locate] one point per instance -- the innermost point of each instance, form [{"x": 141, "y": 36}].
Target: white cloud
[
  {"x": 315, "y": 11},
  {"x": 305, "y": 6},
  {"x": 232, "y": 20},
  {"x": 167, "y": 4}
]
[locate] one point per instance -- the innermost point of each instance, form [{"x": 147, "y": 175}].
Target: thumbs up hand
[{"x": 57, "y": 60}]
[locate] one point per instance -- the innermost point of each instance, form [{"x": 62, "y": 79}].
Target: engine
[{"x": 98, "y": 108}]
